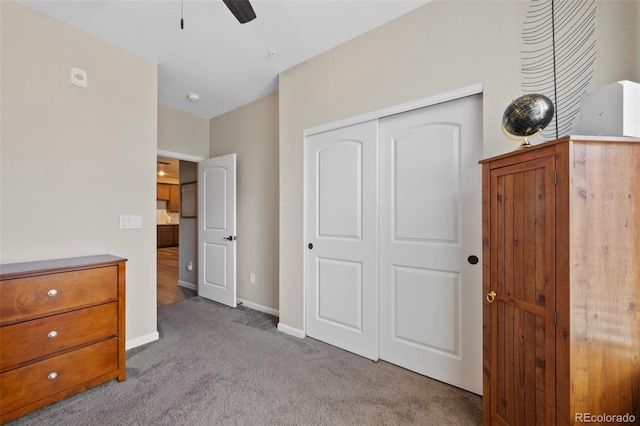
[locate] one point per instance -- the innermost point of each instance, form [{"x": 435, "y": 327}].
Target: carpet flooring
[{"x": 215, "y": 365}]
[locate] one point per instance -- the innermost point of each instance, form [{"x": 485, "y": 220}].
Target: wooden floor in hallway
[{"x": 168, "y": 289}]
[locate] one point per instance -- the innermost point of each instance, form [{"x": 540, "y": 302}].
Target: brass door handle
[{"x": 491, "y": 296}]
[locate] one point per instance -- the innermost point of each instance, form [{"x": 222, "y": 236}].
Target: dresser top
[{"x": 18, "y": 270}]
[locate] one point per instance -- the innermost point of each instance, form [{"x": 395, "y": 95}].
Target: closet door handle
[{"x": 491, "y": 296}]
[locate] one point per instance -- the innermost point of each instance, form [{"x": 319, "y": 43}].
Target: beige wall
[
  {"x": 73, "y": 160},
  {"x": 182, "y": 133},
  {"x": 252, "y": 133},
  {"x": 618, "y": 41},
  {"x": 442, "y": 46}
]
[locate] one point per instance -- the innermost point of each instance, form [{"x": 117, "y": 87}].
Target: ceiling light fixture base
[{"x": 193, "y": 97}]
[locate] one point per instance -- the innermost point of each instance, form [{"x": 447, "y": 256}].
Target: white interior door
[
  {"x": 217, "y": 229},
  {"x": 341, "y": 237},
  {"x": 430, "y": 223}
]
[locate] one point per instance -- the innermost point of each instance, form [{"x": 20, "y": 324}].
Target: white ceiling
[{"x": 226, "y": 63}]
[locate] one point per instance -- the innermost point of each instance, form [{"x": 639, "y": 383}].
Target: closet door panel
[
  {"x": 341, "y": 285},
  {"x": 416, "y": 163},
  {"x": 339, "y": 174},
  {"x": 430, "y": 199}
]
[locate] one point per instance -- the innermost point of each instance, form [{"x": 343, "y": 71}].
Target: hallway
[{"x": 167, "y": 270}]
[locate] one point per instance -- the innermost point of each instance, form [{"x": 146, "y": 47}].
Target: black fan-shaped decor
[{"x": 558, "y": 56}]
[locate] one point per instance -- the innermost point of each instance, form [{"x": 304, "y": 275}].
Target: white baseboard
[
  {"x": 134, "y": 343},
  {"x": 260, "y": 308},
  {"x": 187, "y": 284},
  {"x": 295, "y": 332}
]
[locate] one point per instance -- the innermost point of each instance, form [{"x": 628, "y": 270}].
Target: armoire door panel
[
  {"x": 523, "y": 278},
  {"x": 521, "y": 373},
  {"x": 521, "y": 212}
]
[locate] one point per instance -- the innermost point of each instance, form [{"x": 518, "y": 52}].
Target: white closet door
[
  {"x": 341, "y": 238},
  {"x": 430, "y": 222}
]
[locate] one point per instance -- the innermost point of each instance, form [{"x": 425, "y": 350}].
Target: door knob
[
  {"x": 491, "y": 296},
  {"x": 229, "y": 238},
  {"x": 310, "y": 246},
  {"x": 472, "y": 259}
]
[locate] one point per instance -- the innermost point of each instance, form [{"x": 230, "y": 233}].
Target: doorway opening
[{"x": 176, "y": 257}]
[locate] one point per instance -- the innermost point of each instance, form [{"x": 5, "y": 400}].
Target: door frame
[
  {"x": 474, "y": 89},
  {"x": 193, "y": 159}
]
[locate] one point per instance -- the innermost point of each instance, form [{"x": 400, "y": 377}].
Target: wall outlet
[
  {"x": 252, "y": 278},
  {"x": 190, "y": 265}
]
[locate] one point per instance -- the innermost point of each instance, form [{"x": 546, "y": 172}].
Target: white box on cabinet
[{"x": 613, "y": 110}]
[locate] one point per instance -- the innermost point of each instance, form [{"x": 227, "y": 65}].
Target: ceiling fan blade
[{"x": 241, "y": 9}]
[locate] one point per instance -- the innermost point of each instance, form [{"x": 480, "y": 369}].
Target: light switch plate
[{"x": 130, "y": 221}]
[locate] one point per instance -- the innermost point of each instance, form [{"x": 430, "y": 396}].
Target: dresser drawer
[
  {"x": 27, "y": 298},
  {"x": 36, "y": 381},
  {"x": 20, "y": 343}
]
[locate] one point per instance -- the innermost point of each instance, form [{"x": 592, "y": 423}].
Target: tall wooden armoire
[{"x": 561, "y": 277}]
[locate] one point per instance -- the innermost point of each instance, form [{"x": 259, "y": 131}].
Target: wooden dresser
[
  {"x": 62, "y": 329},
  {"x": 561, "y": 264}
]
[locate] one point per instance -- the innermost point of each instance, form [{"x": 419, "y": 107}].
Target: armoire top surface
[{"x": 574, "y": 138}]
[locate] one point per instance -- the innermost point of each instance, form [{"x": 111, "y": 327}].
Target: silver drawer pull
[
  {"x": 52, "y": 376},
  {"x": 52, "y": 334},
  {"x": 52, "y": 292}
]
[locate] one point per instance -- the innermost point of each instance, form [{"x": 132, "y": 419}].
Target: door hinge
[
  {"x": 555, "y": 318},
  {"x": 555, "y": 177}
]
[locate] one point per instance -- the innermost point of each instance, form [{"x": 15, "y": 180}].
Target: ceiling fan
[{"x": 241, "y": 9}]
